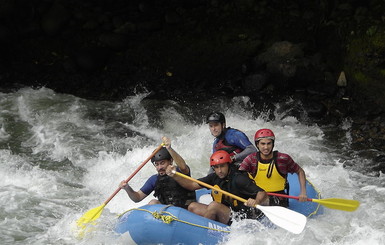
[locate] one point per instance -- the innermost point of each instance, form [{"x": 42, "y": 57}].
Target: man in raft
[
  {"x": 269, "y": 168},
  {"x": 234, "y": 141},
  {"x": 167, "y": 190},
  {"x": 228, "y": 178}
]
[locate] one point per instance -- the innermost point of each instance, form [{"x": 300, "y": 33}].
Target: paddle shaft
[
  {"x": 287, "y": 196},
  {"x": 212, "y": 187},
  {"x": 135, "y": 172}
]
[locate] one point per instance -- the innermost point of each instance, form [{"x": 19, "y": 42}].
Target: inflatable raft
[{"x": 161, "y": 224}]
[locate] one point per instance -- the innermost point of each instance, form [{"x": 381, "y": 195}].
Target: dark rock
[
  {"x": 172, "y": 17},
  {"x": 315, "y": 109},
  {"x": 114, "y": 41},
  {"x": 254, "y": 83},
  {"x": 56, "y": 17},
  {"x": 379, "y": 164},
  {"x": 91, "y": 59}
]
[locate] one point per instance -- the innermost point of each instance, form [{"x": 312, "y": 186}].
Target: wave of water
[{"x": 61, "y": 156}]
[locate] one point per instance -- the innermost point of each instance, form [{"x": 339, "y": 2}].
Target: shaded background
[{"x": 189, "y": 50}]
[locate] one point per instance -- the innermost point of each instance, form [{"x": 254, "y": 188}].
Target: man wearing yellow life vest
[{"x": 269, "y": 168}]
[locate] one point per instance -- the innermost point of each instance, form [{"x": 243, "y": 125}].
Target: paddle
[
  {"x": 280, "y": 216},
  {"x": 95, "y": 213},
  {"x": 333, "y": 203}
]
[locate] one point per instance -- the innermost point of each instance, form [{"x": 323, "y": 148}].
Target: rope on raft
[{"x": 168, "y": 217}]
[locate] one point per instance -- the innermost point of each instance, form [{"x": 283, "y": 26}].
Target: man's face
[
  {"x": 265, "y": 146},
  {"x": 221, "y": 170},
  {"x": 161, "y": 166},
  {"x": 216, "y": 128}
]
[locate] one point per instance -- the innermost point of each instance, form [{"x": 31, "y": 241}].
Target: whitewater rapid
[{"x": 61, "y": 155}]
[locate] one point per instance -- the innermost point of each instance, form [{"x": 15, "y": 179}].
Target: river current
[{"x": 61, "y": 156}]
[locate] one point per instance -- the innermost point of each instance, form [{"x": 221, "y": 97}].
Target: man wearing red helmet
[
  {"x": 269, "y": 168},
  {"x": 234, "y": 141},
  {"x": 228, "y": 178}
]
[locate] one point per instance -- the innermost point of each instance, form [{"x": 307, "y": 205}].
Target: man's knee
[{"x": 192, "y": 207}]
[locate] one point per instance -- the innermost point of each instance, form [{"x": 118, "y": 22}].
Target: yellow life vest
[{"x": 268, "y": 177}]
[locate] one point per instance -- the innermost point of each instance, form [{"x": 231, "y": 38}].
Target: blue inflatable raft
[{"x": 161, "y": 224}]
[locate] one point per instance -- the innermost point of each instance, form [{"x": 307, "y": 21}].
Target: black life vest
[
  {"x": 222, "y": 144},
  {"x": 168, "y": 191},
  {"x": 228, "y": 184}
]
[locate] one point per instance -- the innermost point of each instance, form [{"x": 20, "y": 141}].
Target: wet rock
[
  {"x": 55, "y": 18},
  {"x": 91, "y": 59},
  {"x": 281, "y": 58},
  {"x": 315, "y": 109},
  {"x": 254, "y": 83},
  {"x": 172, "y": 17},
  {"x": 114, "y": 41},
  {"x": 379, "y": 164}
]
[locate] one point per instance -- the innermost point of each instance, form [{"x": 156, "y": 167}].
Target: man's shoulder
[
  {"x": 251, "y": 157},
  {"x": 283, "y": 156},
  {"x": 241, "y": 178},
  {"x": 149, "y": 185},
  {"x": 235, "y": 133},
  {"x": 209, "y": 178},
  {"x": 153, "y": 178}
]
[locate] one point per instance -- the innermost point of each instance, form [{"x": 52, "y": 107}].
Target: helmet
[
  {"x": 216, "y": 117},
  {"x": 264, "y": 134},
  {"x": 220, "y": 157},
  {"x": 161, "y": 155}
]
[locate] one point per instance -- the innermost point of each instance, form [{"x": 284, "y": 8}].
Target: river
[{"x": 61, "y": 155}]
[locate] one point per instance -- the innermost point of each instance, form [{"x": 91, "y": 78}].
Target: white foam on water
[{"x": 72, "y": 154}]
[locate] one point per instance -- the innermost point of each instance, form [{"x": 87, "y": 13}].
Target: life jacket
[
  {"x": 228, "y": 184},
  {"x": 222, "y": 144},
  {"x": 268, "y": 176},
  {"x": 168, "y": 191}
]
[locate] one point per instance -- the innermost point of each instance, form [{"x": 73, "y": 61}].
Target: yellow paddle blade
[
  {"x": 340, "y": 204},
  {"x": 90, "y": 216}
]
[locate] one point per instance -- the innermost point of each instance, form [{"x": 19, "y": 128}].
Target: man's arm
[
  {"x": 260, "y": 199},
  {"x": 239, "y": 139},
  {"x": 248, "y": 187},
  {"x": 293, "y": 167},
  {"x": 185, "y": 183},
  {"x": 302, "y": 182},
  {"x": 180, "y": 162},
  {"x": 135, "y": 196},
  {"x": 243, "y": 154}
]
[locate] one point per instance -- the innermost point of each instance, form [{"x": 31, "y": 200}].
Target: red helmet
[
  {"x": 264, "y": 134},
  {"x": 220, "y": 157}
]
